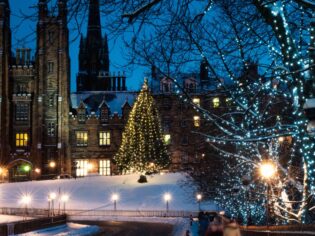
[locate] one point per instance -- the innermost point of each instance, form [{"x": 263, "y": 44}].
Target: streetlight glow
[
  {"x": 64, "y": 198},
  {"x": 37, "y": 170},
  {"x": 267, "y": 170},
  {"x": 52, "y": 196},
  {"x": 199, "y": 196},
  {"x": 52, "y": 164},
  {"x": 115, "y": 197},
  {"x": 167, "y": 197},
  {"x": 26, "y": 199}
]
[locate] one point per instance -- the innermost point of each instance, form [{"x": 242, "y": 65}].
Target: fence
[
  {"x": 278, "y": 230},
  {"x": 36, "y": 212}
]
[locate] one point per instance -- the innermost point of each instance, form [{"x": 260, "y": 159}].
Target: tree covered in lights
[
  {"x": 142, "y": 148},
  {"x": 226, "y": 35}
]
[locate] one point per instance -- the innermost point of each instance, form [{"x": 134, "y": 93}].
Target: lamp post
[
  {"x": 115, "y": 197},
  {"x": 267, "y": 171},
  {"x": 64, "y": 199},
  {"x": 199, "y": 197},
  {"x": 167, "y": 198},
  {"x": 52, "y": 197},
  {"x": 26, "y": 199}
]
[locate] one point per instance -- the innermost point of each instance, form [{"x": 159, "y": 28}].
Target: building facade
[{"x": 46, "y": 131}]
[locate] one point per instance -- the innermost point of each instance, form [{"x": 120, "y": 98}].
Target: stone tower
[
  {"x": 5, "y": 57},
  {"x": 52, "y": 90}
]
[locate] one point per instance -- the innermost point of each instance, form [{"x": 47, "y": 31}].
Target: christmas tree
[{"x": 142, "y": 148}]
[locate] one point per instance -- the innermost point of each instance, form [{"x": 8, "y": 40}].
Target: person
[
  {"x": 231, "y": 229},
  {"x": 215, "y": 227}
]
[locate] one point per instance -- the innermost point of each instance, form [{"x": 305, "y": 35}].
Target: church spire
[{"x": 94, "y": 34}]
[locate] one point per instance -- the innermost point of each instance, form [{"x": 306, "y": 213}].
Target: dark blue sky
[{"x": 23, "y": 35}]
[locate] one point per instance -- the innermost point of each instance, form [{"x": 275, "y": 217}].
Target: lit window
[
  {"x": 104, "y": 138},
  {"x": 21, "y": 139},
  {"x": 104, "y": 167},
  {"x": 196, "y": 101},
  {"x": 216, "y": 102},
  {"x": 196, "y": 121},
  {"x": 82, "y": 138},
  {"x": 167, "y": 139},
  {"x": 82, "y": 167}
]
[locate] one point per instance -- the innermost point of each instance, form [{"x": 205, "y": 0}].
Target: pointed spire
[
  {"x": 42, "y": 9},
  {"x": 94, "y": 25}
]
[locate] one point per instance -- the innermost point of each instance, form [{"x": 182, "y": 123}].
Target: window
[
  {"x": 196, "y": 101},
  {"x": 104, "y": 167},
  {"x": 104, "y": 138},
  {"x": 21, "y": 111},
  {"x": 51, "y": 132},
  {"x": 50, "y": 67},
  {"x": 167, "y": 139},
  {"x": 216, "y": 102},
  {"x": 196, "y": 121},
  {"x": 104, "y": 114},
  {"x": 21, "y": 139},
  {"x": 82, "y": 138},
  {"x": 183, "y": 123},
  {"x": 50, "y": 37},
  {"x": 81, "y": 116},
  {"x": 82, "y": 168},
  {"x": 185, "y": 140}
]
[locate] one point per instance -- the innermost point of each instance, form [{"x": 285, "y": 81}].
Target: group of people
[{"x": 215, "y": 225}]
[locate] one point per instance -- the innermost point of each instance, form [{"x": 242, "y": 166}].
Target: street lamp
[
  {"x": 64, "y": 199},
  {"x": 167, "y": 198},
  {"x": 26, "y": 199},
  {"x": 267, "y": 171},
  {"x": 52, "y": 164},
  {"x": 51, "y": 197},
  {"x": 199, "y": 197},
  {"x": 115, "y": 197}
]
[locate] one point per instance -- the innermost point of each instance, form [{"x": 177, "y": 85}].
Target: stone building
[{"x": 46, "y": 131}]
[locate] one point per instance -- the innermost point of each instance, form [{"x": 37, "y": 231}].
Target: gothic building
[
  {"x": 34, "y": 96},
  {"x": 46, "y": 131}
]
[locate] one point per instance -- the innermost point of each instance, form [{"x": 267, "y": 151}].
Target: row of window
[
  {"x": 82, "y": 138},
  {"x": 215, "y": 101},
  {"x": 168, "y": 140},
  {"x": 83, "y": 167}
]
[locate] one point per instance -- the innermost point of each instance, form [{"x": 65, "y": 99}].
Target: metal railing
[{"x": 37, "y": 212}]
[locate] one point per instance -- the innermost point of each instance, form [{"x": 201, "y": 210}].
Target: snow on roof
[
  {"x": 96, "y": 192},
  {"x": 93, "y": 99}
]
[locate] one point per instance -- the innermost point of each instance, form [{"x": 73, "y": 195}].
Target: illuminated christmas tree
[{"x": 142, "y": 148}]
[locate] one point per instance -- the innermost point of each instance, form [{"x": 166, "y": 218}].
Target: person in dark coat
[{"x": 215, "y": 228}]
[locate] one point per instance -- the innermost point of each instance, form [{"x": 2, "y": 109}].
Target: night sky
[{"x": 23, "y": 35}]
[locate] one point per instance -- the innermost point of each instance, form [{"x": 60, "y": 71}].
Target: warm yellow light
[
  {"x": 196, "y": 101},
  {"x": 37, "y": 170},
  {"x": 52, "y": 196},
  {"x": 90, "y": 166},
  {"x": 281, "y": 139},
  {"x": 267, "y": 170},
  {"x": 115, "y": 197},
  {"x": 199, "y": 196},
  {"x": 216, "y": 102},
  {"x": 1, "y": 171},
  {"x": 167, "y": 139},
  {"x": 167, "y": 197},
  {"x": 196, "y": 121},
  {"x": 64, "y": 198},
  {"x": 52, "y": 164}
]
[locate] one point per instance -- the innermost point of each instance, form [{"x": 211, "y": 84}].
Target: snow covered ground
[
  {"x": 10, "y": 219},
  {"x": 96, "y": 193},
  {"x": 69, "y": 229}
]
